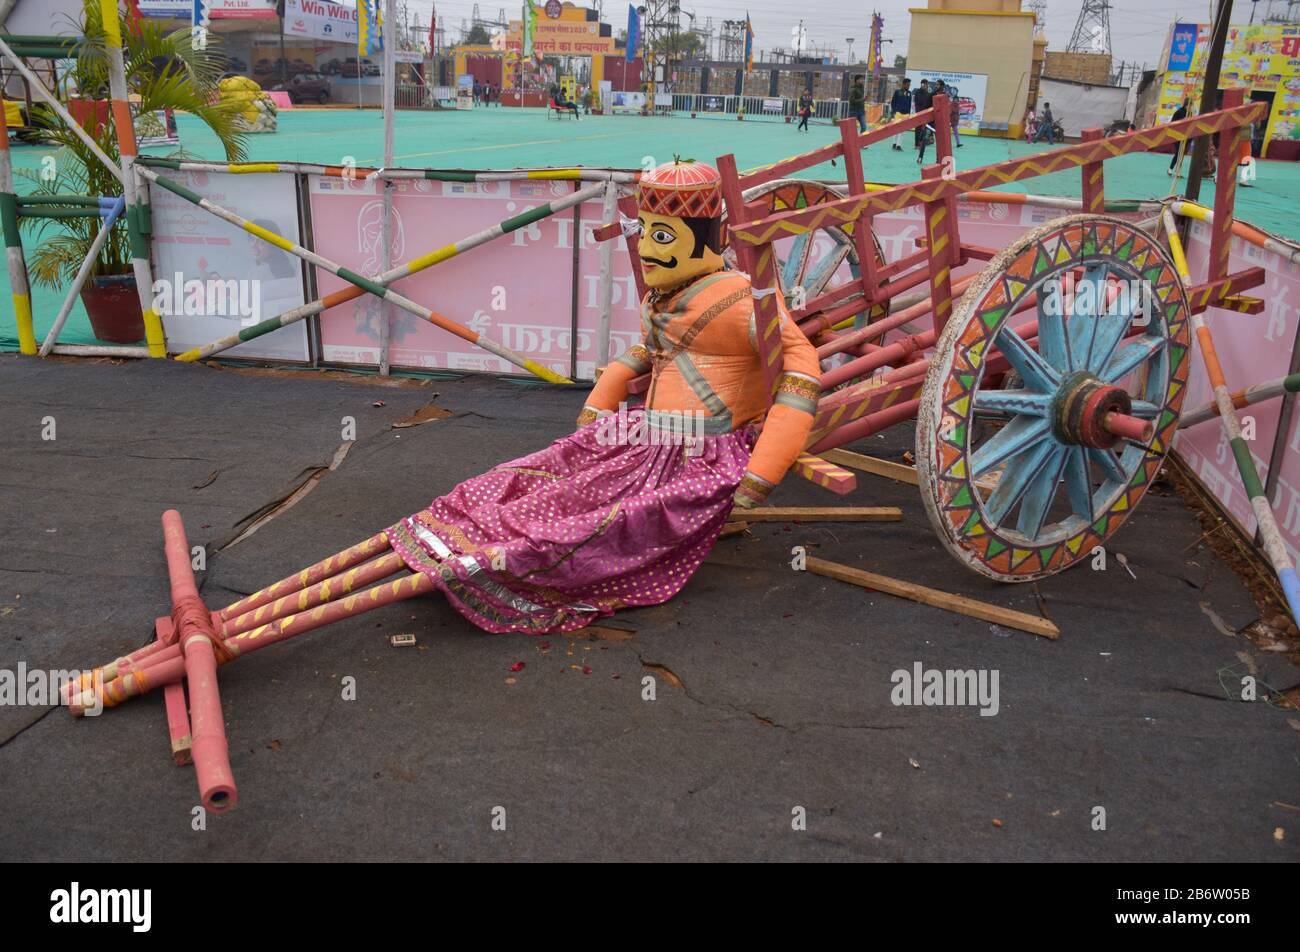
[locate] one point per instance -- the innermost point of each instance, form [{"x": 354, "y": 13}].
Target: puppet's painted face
[{"x": 671, "y": 254}]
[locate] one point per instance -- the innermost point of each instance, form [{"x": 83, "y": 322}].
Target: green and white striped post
[
  {"x": 1241, "y": 399},
  {"x": 1269, "y": 533}
]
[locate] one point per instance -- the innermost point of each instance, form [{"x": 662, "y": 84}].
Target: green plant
[{"x": 165, "y": 72}]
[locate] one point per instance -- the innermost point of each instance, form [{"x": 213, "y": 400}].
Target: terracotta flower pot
[{"x": 114, "y": 308}]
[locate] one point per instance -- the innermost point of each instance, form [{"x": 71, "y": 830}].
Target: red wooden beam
[
  {"x": 1225, "y": 191},
  {"x": 850, "y": 210},
  {"x": 1094, "y": 191}
]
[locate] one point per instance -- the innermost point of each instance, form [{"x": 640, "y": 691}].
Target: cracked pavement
[{"x": 785, "y": 677}]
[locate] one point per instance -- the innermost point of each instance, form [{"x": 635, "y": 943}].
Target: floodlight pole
[{"x": 386, "y": 254}]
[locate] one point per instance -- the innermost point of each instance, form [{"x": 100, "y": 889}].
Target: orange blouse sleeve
[
  {"x": 789, "y": 421},
  {"x": 611, "y": 388}
]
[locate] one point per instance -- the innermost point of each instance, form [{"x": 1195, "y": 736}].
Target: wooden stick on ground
[
  {"x": 820, "y": 514},
  {"x": 869, "y": 464},
  {"x": 932, "y": 596},
  {"x": 883, "y": 467}
]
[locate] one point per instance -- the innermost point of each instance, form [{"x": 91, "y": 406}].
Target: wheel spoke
[
  {"x": 825, "y": 270},
  {"x": 1020, "y": 433},
  {"x": 1084, "y": 308},
  {"x": 1038, "y": 500},
  {"x": 1112, "y": 324},
  {"x": 1109, "y": 462},
  {"x": 1078, "y": 483},
  {"x": 1033, "y": 370},
  {"x": 797, "y": 261},
  {"x": 1012, "y": 401},
  {"x": 1053, "y": 342},
  {"x": 1131, "y": 356},
  {"x": 1017, "y": 478}
]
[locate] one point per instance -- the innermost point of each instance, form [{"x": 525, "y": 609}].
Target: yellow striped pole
[
  {"x": 22, "y": 295},
  {"x": 371, "y": 285},
  {"x": 137, "y": 208},
  {"x": 1270, "y": 535}
]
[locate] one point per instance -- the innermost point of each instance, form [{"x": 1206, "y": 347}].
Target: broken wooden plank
[
  {"x": 932, "y": 596},
  {"x": 733, "y": 528},
  {"x": 821, "y": 514},
  {"x": 824, "y": 473},
  {"x": 896, "y": 471},
  {"x": 869, "y": 464}
]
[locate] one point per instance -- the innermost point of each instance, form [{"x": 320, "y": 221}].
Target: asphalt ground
[{"x": 772, "y": 687}]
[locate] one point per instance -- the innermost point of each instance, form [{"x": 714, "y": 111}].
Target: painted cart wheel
[
  {"x": 1084, "y": 431},
  {"x": 808, "y": 264}
]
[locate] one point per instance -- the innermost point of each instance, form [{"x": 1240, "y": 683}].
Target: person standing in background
[
  {"x": 901, "y": 105},
  {"x": 923, "y": 100},
  {"x": 1179, "y": 113},
  {"x": 858, "y": 103},
  {"x": 954, "y": 115}
]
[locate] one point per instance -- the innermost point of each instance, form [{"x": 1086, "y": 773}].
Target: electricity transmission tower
[
  {"x": 659, "y": 28},
  {"x": 1092, "y": 29},
  {"x": 1039, "y": 9}
]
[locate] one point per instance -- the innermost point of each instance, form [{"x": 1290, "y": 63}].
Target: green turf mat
[{"x": 502, "y": 138}]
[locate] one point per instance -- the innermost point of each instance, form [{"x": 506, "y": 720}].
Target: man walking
[
  {"x": 805, "y": 110},
  {"x": 901, "y": 105},
  {"x": 858, "y": 104},
  {"x": 922, "y": 101}
]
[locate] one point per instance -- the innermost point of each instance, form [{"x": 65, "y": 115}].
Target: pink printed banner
[
  {"x": 1252, "y": 349},
  {"x": 516, "y": 289}
]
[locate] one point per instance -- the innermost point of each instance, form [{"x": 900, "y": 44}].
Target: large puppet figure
[{"x": 622, "y": 512}]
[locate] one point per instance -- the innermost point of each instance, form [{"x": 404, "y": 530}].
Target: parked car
[
  {"x": 350, "y": 67},
  {"x": 332, "y": 67},
  {"x": 369, "y": 68},
  {"x": 306, "y": 87}
]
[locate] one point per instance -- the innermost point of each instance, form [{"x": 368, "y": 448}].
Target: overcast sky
[{"x": 1138, "y": 27}]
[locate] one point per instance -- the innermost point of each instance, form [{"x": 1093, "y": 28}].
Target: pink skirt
[{"x": 617, "y": 514}]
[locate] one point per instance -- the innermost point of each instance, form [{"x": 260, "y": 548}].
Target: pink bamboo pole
[
  {"x": 869, "y": 424},
  {"x": 170, "y": 667},
  {"x": 853, "y": 338},
  {"x": 313, "y": 574},
  {"x": 319, "y": 594},
  {"x": 178, "y": 717},
  {"x": 326, "y": 568},
  {"x": 324, "y": 591},
  {"x": 194, "y": 634}
]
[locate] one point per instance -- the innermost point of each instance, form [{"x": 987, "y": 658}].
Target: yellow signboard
[
  {"x": 569, "y": 34},
  {"x": 1262, "y": 59}
]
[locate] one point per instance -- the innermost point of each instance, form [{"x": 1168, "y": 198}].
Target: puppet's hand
[{"x": 752, "y": 492}]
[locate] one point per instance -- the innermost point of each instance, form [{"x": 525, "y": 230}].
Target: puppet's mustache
[{"x": 670, "y": 263}]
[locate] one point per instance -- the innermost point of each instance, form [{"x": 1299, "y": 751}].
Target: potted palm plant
[{"x": 163, "y": 71}]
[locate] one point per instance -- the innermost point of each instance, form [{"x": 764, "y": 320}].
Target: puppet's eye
[{"x": 663, "y": 237}]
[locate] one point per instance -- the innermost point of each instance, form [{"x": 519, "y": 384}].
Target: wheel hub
[{"x": 1081, "y": 408}]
